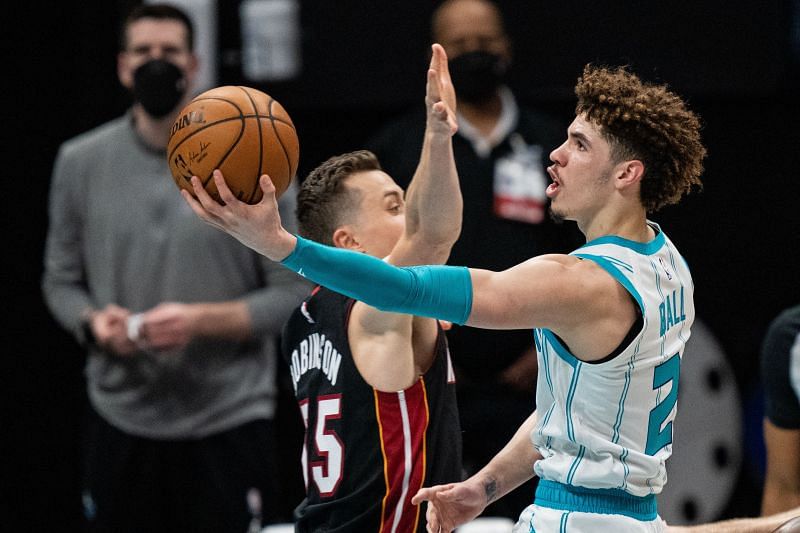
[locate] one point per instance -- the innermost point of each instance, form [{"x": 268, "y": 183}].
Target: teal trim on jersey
[
  {"x": 661, "y": 297},
  {"x": 610, "y": 258},
  {"x": 546, "y": 420},
  {"x": 563, "y": 525},
  {"x": 609, "y": 267},
  {"x": 542, "y": 347},
  {"x": 574, "y": 467},
  {"x": 531, "y": 528},
  {"x": 560, "y": 349},
  {"x": 621, "y": 404},
  {"x": 644, "y": 248},
  {"x": 680, "y": 278},
  {"x": 672, "y": 254},
  {"x": 554, "y": 495},
  {"x": 628, "y": 372},
  {"x": 626, "y": 469},
  {"x": 619, "y": 263},
  {"x": 570, "y": 396}
]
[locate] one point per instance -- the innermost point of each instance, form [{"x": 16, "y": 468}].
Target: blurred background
[{"x": 346, "y": 67}]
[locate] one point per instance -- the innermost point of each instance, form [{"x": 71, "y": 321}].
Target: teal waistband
[{"x": 556, "y": 495}]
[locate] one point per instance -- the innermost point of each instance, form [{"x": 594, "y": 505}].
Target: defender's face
[
  {"x": 148, "y": 39},
  {"x": 581, "y": 172},
  {"x": 380, "y": 217}
]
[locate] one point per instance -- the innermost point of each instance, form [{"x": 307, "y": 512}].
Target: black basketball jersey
[{"x": 366, "y": 452}]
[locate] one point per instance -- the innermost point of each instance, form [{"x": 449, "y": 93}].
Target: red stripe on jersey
[{"x": 403, "y": 420}]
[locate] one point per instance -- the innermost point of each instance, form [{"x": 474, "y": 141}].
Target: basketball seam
[
  {"x": 280, "y": 140},
  {"x": 277, "y": 119},
  {"x": 241, "y": 118},
  {"x": 256, "y": 186}
]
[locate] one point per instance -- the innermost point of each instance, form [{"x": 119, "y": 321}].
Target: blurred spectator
[{"x": 179, "y": 320}]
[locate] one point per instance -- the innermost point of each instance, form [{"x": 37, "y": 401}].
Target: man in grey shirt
[{"x": 179, "y": 319}]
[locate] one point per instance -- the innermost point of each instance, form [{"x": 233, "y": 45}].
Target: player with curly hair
[{"x": 612, "y": 318}]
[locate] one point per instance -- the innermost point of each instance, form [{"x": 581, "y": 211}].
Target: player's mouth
[{"x": 553, "y": 188}]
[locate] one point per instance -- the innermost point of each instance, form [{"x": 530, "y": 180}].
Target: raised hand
[
  {"x": 256, "y": 226},
  {"x": 440, "y": 96}
]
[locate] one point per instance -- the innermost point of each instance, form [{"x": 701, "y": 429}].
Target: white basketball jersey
[{"x": 608, "y": 425}]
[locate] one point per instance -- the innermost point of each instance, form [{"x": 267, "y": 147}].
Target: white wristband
[{"x": 135, "y": 327}]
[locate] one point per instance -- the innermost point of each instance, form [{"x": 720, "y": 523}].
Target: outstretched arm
[{"x": 542, "y": 292}]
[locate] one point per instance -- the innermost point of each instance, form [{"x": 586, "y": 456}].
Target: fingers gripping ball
[{"x": 241, "y": 131}]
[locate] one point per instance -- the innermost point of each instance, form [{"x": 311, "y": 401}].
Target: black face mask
[
  {"x": 158, "y": 85},
  {"x": 477, "y": 75}
]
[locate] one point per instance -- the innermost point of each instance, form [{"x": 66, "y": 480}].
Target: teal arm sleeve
[{"x": 434, "y": 291}]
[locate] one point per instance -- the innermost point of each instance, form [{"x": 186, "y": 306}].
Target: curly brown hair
[
  {"x": 323, "y": 203},
  {"x": 645, "y": 122}
]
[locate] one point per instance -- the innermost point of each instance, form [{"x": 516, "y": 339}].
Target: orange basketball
[{"x": 241, "y": 131}]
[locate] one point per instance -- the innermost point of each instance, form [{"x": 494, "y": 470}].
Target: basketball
[{"x": 241, "y": 131}]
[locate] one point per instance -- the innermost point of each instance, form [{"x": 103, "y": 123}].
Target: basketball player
[
  {"x": 376, "y": 390},
  {"x": 612, "y": 317}
]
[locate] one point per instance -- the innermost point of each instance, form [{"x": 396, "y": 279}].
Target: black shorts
[{"x": 221, "y": 483}]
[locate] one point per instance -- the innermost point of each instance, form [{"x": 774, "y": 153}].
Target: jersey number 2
[
  {"x": 327, "y": 471},
  {"x": 658, "y": 437}
]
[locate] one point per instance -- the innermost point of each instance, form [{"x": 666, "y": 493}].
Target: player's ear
[
  {"x": 629, "y": 173},
  {"x": 343, "y": 238}
]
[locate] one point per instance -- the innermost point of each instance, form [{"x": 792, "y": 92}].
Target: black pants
[{"x": 212, "y": 484}]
